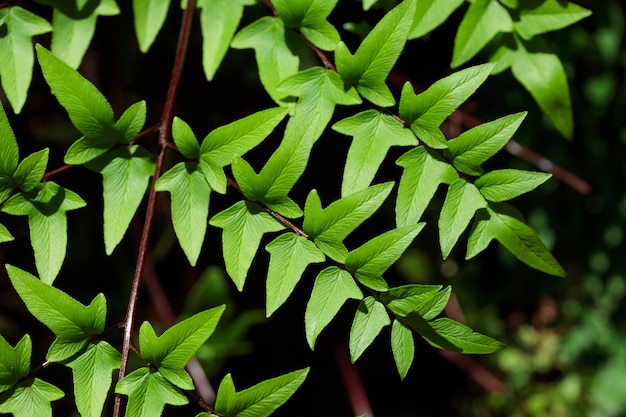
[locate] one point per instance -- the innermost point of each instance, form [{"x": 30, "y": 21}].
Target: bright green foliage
[
  {"x": 445, "y": 333},
  {"x": 185, "y": 139},
  {"x": 259, "y": 400},
  {"x": 330, "y": 226},
  {"x": 45, "y": 207},
  {"x": 14, "y": 361},
  {"x": 9, "y": 156},
  {"x": 536, "y": 18},
  {"x": 373, "y": 134},
  {"x": 274, "y": 57},
  {"x": 426, "y": 300},
  {"x": 72, "y": 322},
  {"x": 171, "y": 351},
  {"x": 369, "y": 320},
  {"x": 426, "y": 111},
  {"x": 290, "y": 254},
  {"x": 73, "y": 28},
  {"x": 462, "y": 201},
  {"x": 484, "y": 20},
  {"x": 309, "y": 16},
  {"x": 30, "y": 398},
  {"x": 31, "y": 170},
  {"x": 369, "y": 261},
  {"x": 217, "y": 37},
  {"x": 477, "y": 145},
  {"x": 505, "y": 184},
  {"x": 125, "y": 173},
  {"x": 92, "y": 372},
  {"x": 429, "y": 14},
  {"x": 424, "y": 170},
  {"x": 220, "y": 147},
  {"x": 244, "y": 224},
  {"x": 149, "y": 18},
  {"x": 368, "y": 68},
  {"x": 505, "y": 224},
  {"x": 148, "y": 392},
  {"x": 190, "y": 205},
  {"x": 5, "y": 235},
  {"x": 16, "y": 52},
  {"x": 333, "y": 287},
  {"x": 402, "y": 347}
]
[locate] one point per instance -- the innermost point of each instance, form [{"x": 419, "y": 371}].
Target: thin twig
[
  {"x": 357, "y": 395},
  {"x": 56, "y": 171}
]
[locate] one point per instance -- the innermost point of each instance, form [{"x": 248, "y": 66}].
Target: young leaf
[
  {"x": 275, "y": 58},
  {"x": 190, "y": 205},
  {"x": 14, "y": 361},
  {"x": 368, "y": 68},
  {"x": 92, "y": 373},
  {"x": 333, "y": 287},
  {"x": 483, "y": 20},
  {"x": 148, "y": 392},
  {"x": 369, "y": 261},
  {"x": 45, "y": 207},
  {"x": 402, "y": 346},
  {"x": 259, "y": 400},
  {"x": 185, "y": 139},
  {"x": 330, "y": 226},
  {"x": 426, "y": 111},
  {"x": 462, "y": 201},
  {"x": 424, "y": 170},
  {"x": 290, "y": 254},
  {"x": 149, "y": 18},
  {"x": 131, "y": 122},
  {"x": 505, "y": 224},
  {"x": 30, "y": 398},
  {"x": 244, "y": 224},
  {"x": 448, "y": 334},
  {"x": 71, "y": 322},
  {"x": 541, "y": 17},
  {"x": 373, "y": 134},
  {"x": 16, "y": 52},
  {"x": 126, "y": 172},
  {"x": 31, "y": 170},
  {"x": 310, "y": 17},
  {"x": 171, "y": 351},
  {"x": 369, "y": 320},
  {"x": 475, "y": 146},
  {"x": 430, "y": 14},
  {"x": 505, "y": 184}
]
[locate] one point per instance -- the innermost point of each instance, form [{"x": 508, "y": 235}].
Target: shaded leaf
[
  {"x": 148, "y": 392},
  {"x": 536, "y": 18},
  {"x": 149, "y": 18},
  {"x": 309, "y": 16},
  {"x": 30, "y": 398},
  {"x": 430, "y": 14},
  {"x": 31, "y": 170},
  {"x": 14, "y": 361}
]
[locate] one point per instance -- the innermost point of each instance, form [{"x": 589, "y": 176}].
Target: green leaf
[
  {"x": 426, "y": 300},
  {"x": 73, "y": 30},
  {"x": 505, "y": 224},
  {"x": 72, "y": 322},
  {"x": 448, "y": 334},
  {"x": 244, "y": 224},
  {"x": 424, "y": 170},
  {"x": 131, "y": 122},
  {"x": 190, "y": 205},
  {"x": 462, "y": 201},
  {"x": 369, "y": 261},
  {"x": 185, "y": 139},
  {"x": 89, "y": 111},
  {"x": 483, "y": 20},
  {"x": 149, "y": 18},
  {"x": 45, "y": 207},
  {"x": 31, "y": 170},
  {"x": 148, "y": 392},
  {"x": 367, "y": 4},
  {"x": 477, "y": 145},
  {"x": 505, "y": 184},
  {"x": 92, "y": 373},
  {"x": 30, "y": 398},
  {"x": 309, "y": 16},
  {"x": 402, "y": 346},
  {"x": 290, "y": 254},
  {"x": 259, "y": 400},
  {"x": 330, "y": 226},
  {"x": 430, "y": 14},
  {"x": 220, "y": 147},
  {"x": 536, "y": 18},
  {"x": 16, "y": 52},
  {"x": 333, "y": 287},
  {"x": 273, "y": 49},
  {"x": 5, "y": 235},
  {"x": 171, "y": 351},
  {"x": 368, "y": 68},
  {"x": 373, "y": 134},
  {"x": 9, "y": 152},
  {"x": 541, "y": 73},
  {"x": 369, "y": 320},
  {"x": 14, "y": 361},
  {"x": 426, "y": 111},
  {"x": 126, "y": 172}
]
